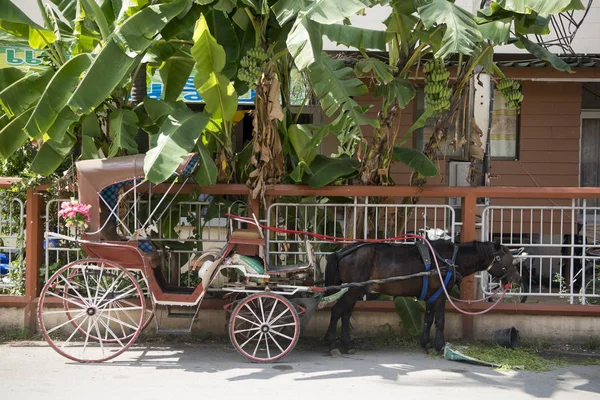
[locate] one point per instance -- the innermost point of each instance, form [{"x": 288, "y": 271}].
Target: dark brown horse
[{"x": 363, "y": 262}]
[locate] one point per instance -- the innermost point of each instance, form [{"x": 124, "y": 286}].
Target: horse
[{"x": 360, "y": 262}]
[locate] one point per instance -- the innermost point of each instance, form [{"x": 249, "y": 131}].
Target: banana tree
[
  {"x": 428, "y": 34},
  {"x": 65, "y": 106}
]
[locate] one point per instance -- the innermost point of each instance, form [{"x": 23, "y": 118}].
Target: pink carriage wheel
[
  {"x": 92, "y": 288},
  {"x": 264, "y": 327},
  {"x": 127, "y": 302}
]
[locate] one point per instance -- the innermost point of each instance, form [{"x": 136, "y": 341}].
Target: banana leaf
[
  {"x": 52, "y": 154},
  {"x": 178, "y": 136},
  {"x": 415, "y": 160},
  {"x": 12, "y": 135},
  {"x": 462, "y": 34},
  {"x": 22, "y": 94},
  {"x": 56, "y": 94},
  {"x": 120, "y": 55},
  {"x": 410, "y": 315},
  {"x": 123, "y": 128},
  {"x": 326, "y": 170}
]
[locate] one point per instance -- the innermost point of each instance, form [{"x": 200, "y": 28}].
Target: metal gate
[{"x": 562, "y": 245}]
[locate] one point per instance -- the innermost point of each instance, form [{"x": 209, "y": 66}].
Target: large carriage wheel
[
  {"x": 85, "y": 311},
  {"x": 126, "y": 302},
  {"x": 264, "y": 327}
]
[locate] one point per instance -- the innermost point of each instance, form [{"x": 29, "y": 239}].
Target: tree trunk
[{"x": 267, "y": 153}]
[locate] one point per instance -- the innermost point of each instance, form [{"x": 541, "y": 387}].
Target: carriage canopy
[{"x": 104, "y": 177}]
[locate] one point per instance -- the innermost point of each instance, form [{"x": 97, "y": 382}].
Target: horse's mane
[{"x": 485, "y": 249}]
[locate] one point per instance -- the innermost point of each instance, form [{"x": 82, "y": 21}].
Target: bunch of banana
[
  {"x": 251, "y": 66},
  {"x": 436, "y": 85},
  {"x": 511, "y": 91}
]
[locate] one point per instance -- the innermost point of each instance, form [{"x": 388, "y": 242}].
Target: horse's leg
[
  {"x": 351, "y": 297},
  {"x": 336, "y": 313},
  {"x": 440, "y": 312},
  {"x": 425, "y": 339}
]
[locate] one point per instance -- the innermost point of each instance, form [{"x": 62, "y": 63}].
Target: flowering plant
[{"x": 75, "y": 214}]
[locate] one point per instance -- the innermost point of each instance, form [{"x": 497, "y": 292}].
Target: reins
[{"x": 403, "y": 237}]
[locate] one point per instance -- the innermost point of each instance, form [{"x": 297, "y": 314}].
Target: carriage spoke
[
  {"x": 282, "y": 325},
  {"x": 81, "y": 314},
  {"x": 98, "y": 333},
  {"x": 74, "y": 290},
  {"x": 253, "y": 313},
  {"x": 87, "y": 336},
  {"x": 121, "y": 322},
  {"x": 262, "y": 310},
  {"x": 87, "y": 285},
  {"x": 275, "y": 341},
  {"x": 279, "y": 316},
  {"x": 66, "y": 299},
  {"x": 267, "y": 344},
  {"x": 108, "y": 330},
  {"x": 112, "y": 286},
  {"x": 246, "y": 330},
  {"x": 249, "y": 339},
  {"x": 282, "y": 335},
  {"x": 55, "y": 312},
  {"x": 247, "y": 320},
  {"x": 98, "y": 283},
  {"x": 119, "y": 297},
  {"x": 74, "y": 332},
  {"x": 129, "y": 316},
  {"x": 272, "y": 311},
  {"x": 257, "y": 344}
]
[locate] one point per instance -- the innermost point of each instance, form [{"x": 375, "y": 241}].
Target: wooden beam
[
  {"x": 34, "y": 239},
  {"x": 467, "y": 234}
]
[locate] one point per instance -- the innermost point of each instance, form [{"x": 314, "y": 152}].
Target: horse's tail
[{"x": 332, "y": 270}]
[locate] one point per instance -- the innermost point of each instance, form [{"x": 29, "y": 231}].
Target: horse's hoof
[{"x": 335, "y": 353}]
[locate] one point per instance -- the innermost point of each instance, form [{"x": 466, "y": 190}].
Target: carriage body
[{"x": 102, "y": 303}]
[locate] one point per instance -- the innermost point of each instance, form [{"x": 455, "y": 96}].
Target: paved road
[{"x": 31, "y": 370}]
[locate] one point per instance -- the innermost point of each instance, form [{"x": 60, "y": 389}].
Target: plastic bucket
[{"x": 506, "y": 338}]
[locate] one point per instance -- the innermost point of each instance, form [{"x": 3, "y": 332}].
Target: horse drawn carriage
[{"x": 93, "y": 309}]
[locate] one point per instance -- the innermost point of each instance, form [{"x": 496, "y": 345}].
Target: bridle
[{"x": 497, "y": 257}]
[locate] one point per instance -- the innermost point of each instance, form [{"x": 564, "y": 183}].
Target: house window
[
  {"x": 504, "y": 133},
  {"x": 453, "y": 147}
]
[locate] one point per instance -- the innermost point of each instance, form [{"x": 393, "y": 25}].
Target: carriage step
[
  {"x": 173, "y": 331},
  {"x": 180, "y": 315}
]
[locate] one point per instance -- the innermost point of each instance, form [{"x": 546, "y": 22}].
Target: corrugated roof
[{"x": 572, "y": 61}]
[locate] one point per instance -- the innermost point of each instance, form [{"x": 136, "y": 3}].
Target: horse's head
[{"x": 502, "y": 266}]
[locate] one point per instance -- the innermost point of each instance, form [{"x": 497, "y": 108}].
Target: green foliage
[
  {"x": 410, "y": 315},
  {"x": 62, "y": 105},
  {"x": 461, "y": 34},
  {"x": 415, "y": 160}
]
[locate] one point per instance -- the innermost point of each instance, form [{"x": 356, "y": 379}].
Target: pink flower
[{"x": 75, "y": 213}]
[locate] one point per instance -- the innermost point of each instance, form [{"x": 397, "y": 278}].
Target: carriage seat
[
  {"x": 286, "y": 269},
  {"x": 125, "y": 254}
]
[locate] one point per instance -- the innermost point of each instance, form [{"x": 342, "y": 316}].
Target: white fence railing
[
  {"x": 12, "y": 213},
  {"x": 563, "y": 247},
  {"x": 351, "y": 220}
]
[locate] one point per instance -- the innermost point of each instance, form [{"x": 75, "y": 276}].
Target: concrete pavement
[{"x": 32, "y": 370}]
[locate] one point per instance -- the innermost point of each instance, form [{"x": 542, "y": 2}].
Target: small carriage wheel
[
  {"x": 125, "y": 302},
  {"x": 264, "y": 327},
  {"x": 91, "y": 288}
]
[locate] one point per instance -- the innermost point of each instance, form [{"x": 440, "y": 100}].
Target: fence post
[
  {"x": 34, "y": 253},
  {"x": 467, "y": 286}
]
